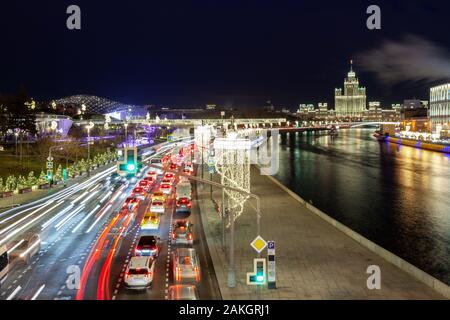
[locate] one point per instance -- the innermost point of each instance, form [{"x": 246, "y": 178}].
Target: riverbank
[
  {"x": 393, "y": 195},
  {"x": 315, "y": 260},
  {"x": 414, "y": 143}
]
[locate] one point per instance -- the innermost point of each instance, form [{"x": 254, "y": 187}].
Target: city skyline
[{"x": 161, "y": 55}]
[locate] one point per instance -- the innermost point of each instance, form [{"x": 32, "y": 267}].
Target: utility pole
[
  {"x": 231, "y": 268},
  {"x": 89, "y": 151},
  {"x": 16, "y": 135},
  {"x": 223, "y": 220}
]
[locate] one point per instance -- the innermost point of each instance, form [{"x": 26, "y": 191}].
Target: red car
[
  {"x": 139, "y": 192},
  {"x": 144, "y": 183},
  {"x": 131, "y": 203},
  {"x": 169, "y": 175},
  {"x": 184, "y": 203},
  {"x": 152, "y": 174}
]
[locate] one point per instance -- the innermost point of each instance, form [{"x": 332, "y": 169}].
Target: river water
[{"x": 396, "y": 196}]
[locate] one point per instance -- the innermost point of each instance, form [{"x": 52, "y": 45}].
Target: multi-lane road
[{"x": 87, "y": 239}]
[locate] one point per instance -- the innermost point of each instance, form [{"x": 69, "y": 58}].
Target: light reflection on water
[{"x": 397, "y": 196}]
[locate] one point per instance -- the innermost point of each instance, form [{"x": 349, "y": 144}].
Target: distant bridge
[{"x": 367, "y": 124}]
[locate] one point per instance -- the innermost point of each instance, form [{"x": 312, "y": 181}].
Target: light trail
[
  {"x": 16, "y": 246},
  {"x": 60, "y": 224},
  {"x": 46, "y": 224},
  {"x": 94, "y": 254},
  {"x": 38, "y": 292},
  {"x": 19, "y": 213},
  {"x": 103, "y": 284},
  {"x": 99, "y": 217},
  {"x": 85, "y": 219},
  {"x": 83, "y": 194},
  {"x": 16, "y": 231},
  {"x": 91, "y": 196},
  {"x": 35, "y": 202},
  {"x": 14, "y": 293},
  {"x": 106, "y": 196},
  {"x": 24, "y": 218},
  {"x": 23, "y": 254}
]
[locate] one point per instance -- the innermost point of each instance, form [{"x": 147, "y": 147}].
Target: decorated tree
[
  {"x": 42, "y": 178},
  {"x": 71, "y": 171},
  {"x": 83, "y": 165},
  {"x": 89, "y": 163},
  {"x": 32, "y": 180},
  {"x": 21, "y": 183},
  {"x": 77, "y": 168},
  {"x": 58, "y": 174},
  {"x": 10, "y": 183},
  {"x": 102, "y": 159}
]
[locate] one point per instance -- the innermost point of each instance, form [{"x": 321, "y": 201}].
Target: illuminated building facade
[
  {"x": 440, "y": 109},
  {"x": 352, "y": 102}
]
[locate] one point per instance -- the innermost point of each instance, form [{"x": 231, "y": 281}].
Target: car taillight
[
  {"x": 178, "y": 273},
  {"x": 174, "y": 235},
  {"x": 127, "y": 275},
  {"x": 190, "y": 236}
]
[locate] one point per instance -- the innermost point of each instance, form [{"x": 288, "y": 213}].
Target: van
[
  {"x": 157, "y": 162},
  {"x": 184, "y": 191}
]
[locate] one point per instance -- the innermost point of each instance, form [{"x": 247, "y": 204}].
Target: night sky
[{"x": 190, "y": 53}]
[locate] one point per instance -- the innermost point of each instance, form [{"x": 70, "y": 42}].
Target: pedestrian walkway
[{"x": 314, "y": 259}]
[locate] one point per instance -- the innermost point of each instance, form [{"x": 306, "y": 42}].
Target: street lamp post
[
  {"x": 231, "y": 281},
  {"x": 16, "y": 134},
  {"x": 89, "y": 143},
  {"x": 89, "y": 127},
  {"x": 126, "y": 133}
]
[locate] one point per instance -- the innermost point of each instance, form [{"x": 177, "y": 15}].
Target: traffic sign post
[
  {"x": 50, "y": 176},
  {"x": 258, "y": 276},
  {"x": 211, "y": 165},
  {"x": 259, "y": 244},
  {"x": 271, "y": 269}
]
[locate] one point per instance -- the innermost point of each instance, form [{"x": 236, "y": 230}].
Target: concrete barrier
[{"x": 418, "y": 274}]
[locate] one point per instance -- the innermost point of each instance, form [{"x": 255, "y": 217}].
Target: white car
[
  {"x": 152, "y": 174},
  {"x": 157, "y": 206},
  {"x": 182, "y": 233},
  {"x": 184, "y": 190},
  {"x": 183, "y": 292},
  {"x": 139, "y": 273},
  {"x": 186, "y": 266},
  {"x": 166, "y": 187},
  {"x": 188, "y": 169}
]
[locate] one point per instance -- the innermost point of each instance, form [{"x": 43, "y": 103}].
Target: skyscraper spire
[{"x": 351, "y": 74}]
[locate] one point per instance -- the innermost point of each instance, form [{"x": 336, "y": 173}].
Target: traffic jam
[{"x": 164, "y": 193}]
